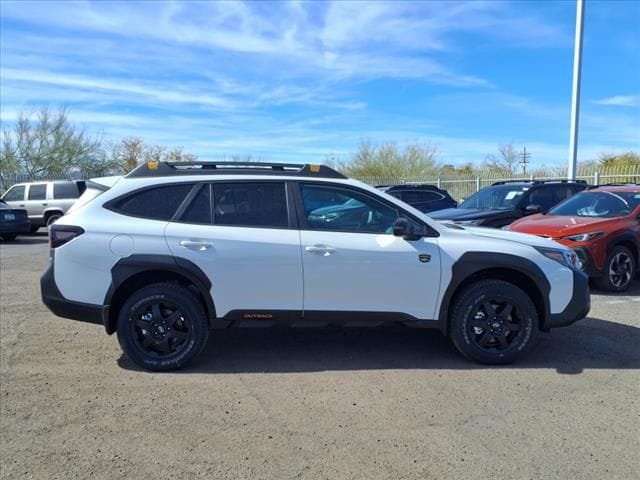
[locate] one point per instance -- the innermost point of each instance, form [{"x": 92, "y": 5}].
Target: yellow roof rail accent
[
  {"x": 153, "y": 165},
  {"x": 314, "y": 168}
]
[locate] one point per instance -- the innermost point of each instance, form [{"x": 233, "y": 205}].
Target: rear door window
[
  {"x": 199, "y": 210},
  {"x": 38, "y": 191},
  {"x": 251, "y": 204},
  {"x": 416, "y": 196},
  {"x": 65, "y": 190},
  {"x": 157, "y": 203}
]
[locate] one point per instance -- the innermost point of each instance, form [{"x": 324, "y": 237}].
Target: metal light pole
[{"x": 575, "y": 91}]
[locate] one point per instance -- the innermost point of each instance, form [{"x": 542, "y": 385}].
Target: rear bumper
[
  {"x": 15, "y": 227},
  {"x": 60, "y": 306},
  {"x": 577, "y": 308}
]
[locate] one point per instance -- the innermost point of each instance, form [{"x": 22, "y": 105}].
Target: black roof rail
[
  {"x": 169, "y": 169},
  {"x": 537, "y": 182},
  {"x": 409, "y": 186}
]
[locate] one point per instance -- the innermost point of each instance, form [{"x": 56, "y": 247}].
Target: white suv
[{"x": 174, "y": 250}]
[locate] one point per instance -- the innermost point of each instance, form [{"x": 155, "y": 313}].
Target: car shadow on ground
[
  {"x": 588, "y": 344},
  {"x": 634, "y": 290},
  {"x": 32, "y": 239}
]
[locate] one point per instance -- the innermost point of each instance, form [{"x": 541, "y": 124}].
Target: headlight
[
  {"x": 584, "y": 237},
  {"x": 469, "y": 222},
  {"x": 567, "y": 258}
]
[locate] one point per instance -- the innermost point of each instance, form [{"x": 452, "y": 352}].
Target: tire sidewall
[
  {"x": 188, "y": 304},
  {"x": 464, "y": 311}
]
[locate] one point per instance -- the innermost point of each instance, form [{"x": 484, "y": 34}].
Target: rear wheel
[
  {"x": 493, "y": 322},
  {"x": 54, "y": 217},
  {"x": 619, "y": 270},
  {"x": 162, "y": 327}
]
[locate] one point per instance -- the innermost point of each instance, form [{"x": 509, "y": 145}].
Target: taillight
[{"x": 61, "y": 234}]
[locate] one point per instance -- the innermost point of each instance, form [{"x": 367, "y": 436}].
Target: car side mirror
[
  {"x": 404, "y": 228},
  {"x": 531, "y": 209}
]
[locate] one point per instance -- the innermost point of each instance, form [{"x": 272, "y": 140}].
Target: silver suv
[{"x": 45, "y": 202}]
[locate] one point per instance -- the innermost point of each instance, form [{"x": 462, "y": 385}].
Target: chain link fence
[{"x": 463, "y": 186}]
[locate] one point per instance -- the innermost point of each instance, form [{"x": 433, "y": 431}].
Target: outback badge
[{"x": 424, "y": 258}]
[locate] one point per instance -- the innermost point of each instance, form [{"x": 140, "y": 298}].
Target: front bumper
[
  {"x": 577, "y": 308},
  {"x": 60, "y": 306},
  {"x": 588, "y": 265}
]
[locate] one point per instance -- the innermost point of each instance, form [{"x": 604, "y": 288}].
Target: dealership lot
[{"x": 312, "y": 403}]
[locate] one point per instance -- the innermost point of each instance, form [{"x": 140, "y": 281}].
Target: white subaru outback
[{"x": 173, "y": 250}]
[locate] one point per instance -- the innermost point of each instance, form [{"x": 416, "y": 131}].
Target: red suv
[{"x": 602, "y": 225}]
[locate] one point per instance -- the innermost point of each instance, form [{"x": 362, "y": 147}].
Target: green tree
[
  {"x": 619, "y": 160},
  {"x": 47, "y": 143},
  {"x": 390, "y": 161}
]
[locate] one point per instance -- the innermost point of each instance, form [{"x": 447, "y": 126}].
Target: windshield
[
  {"x": 496, "y": 198},
  {"x": 598, "y": 204}
]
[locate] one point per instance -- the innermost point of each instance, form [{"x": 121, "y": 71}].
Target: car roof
[
  {"x": 413, "y": 186},
  {"x": 629, "y": 187}
]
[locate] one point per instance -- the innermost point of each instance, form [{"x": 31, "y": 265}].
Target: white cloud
[{"x": 620, "y": 101}]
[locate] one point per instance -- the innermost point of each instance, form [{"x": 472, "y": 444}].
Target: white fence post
[
  {"x": 477, "y": 184},
  {"x": 596, "y": 178},
  {"x": 438, "y": 182}
]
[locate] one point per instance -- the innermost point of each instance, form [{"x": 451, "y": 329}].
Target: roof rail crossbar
[
  {"x": 167, "y": 169},
  {"x": 616, "y": 184}
]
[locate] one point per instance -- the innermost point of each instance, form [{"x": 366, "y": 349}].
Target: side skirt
[{"x": 318, "y": 318}]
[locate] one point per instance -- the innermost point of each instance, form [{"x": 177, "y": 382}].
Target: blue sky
[{"x": 298, "y": 81}]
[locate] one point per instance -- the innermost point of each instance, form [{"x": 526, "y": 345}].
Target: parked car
[
  {"x": 174, "y": 249},
  {"x": 503, "y": 202},
  {"x": 602, "y": 225},
  {"x": 45, "y": 202},
  {"x": 426, "y": 198},
  {"x": 13, "y": 222}
]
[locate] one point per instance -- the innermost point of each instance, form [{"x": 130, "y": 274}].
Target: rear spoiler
[{"x": 103, "y": 183}]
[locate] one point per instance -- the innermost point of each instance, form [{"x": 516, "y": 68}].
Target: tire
[
  {"x": 510, "y": 333},
  {"x": 9, "y": 238},
  {"x": 162, "y": 327},
  {"x": 54, "y": 217},
  {"x": 619, "y": 270}
]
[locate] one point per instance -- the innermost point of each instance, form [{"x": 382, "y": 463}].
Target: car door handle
[
  {"x": 45, "y": 204},
  {"x": 199, "y": 245},
  {"x": 325, "y": 250}
]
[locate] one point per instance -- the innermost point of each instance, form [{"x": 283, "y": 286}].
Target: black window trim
[
  {"x": 304, "y": 225},
  {"x": 292, "y": 219}
]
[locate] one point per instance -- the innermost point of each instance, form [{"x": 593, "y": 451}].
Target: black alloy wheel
[
  {"x": 493, "y": 322},
  {"x": 162, "y": 327}
]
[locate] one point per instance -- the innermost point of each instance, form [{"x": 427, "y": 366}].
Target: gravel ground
[{"x": 312, "y": 404}]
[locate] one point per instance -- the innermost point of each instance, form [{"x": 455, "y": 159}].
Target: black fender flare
[
  {"x": 127, "y": 267},
  {"x": 473, "y": 262}
]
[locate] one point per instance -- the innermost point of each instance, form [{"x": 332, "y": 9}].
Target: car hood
[
  {"x": 556, "y": 226},
  {"x": 466, "y": 213},
  {"x": 531, "y": 240}
]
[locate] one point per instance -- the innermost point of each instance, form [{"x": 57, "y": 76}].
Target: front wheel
[
  {"x": 619, "y": 270},
  {"x": 493, "y": 322},
  {"x": 162, "y": 327}
]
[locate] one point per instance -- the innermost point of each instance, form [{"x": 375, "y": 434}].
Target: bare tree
[{"x": 506, "y": 161}]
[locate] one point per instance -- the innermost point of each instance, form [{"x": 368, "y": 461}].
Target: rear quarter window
[
  {"x": 65, "y": 190},
  {"x": 155, "y": 203}
]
